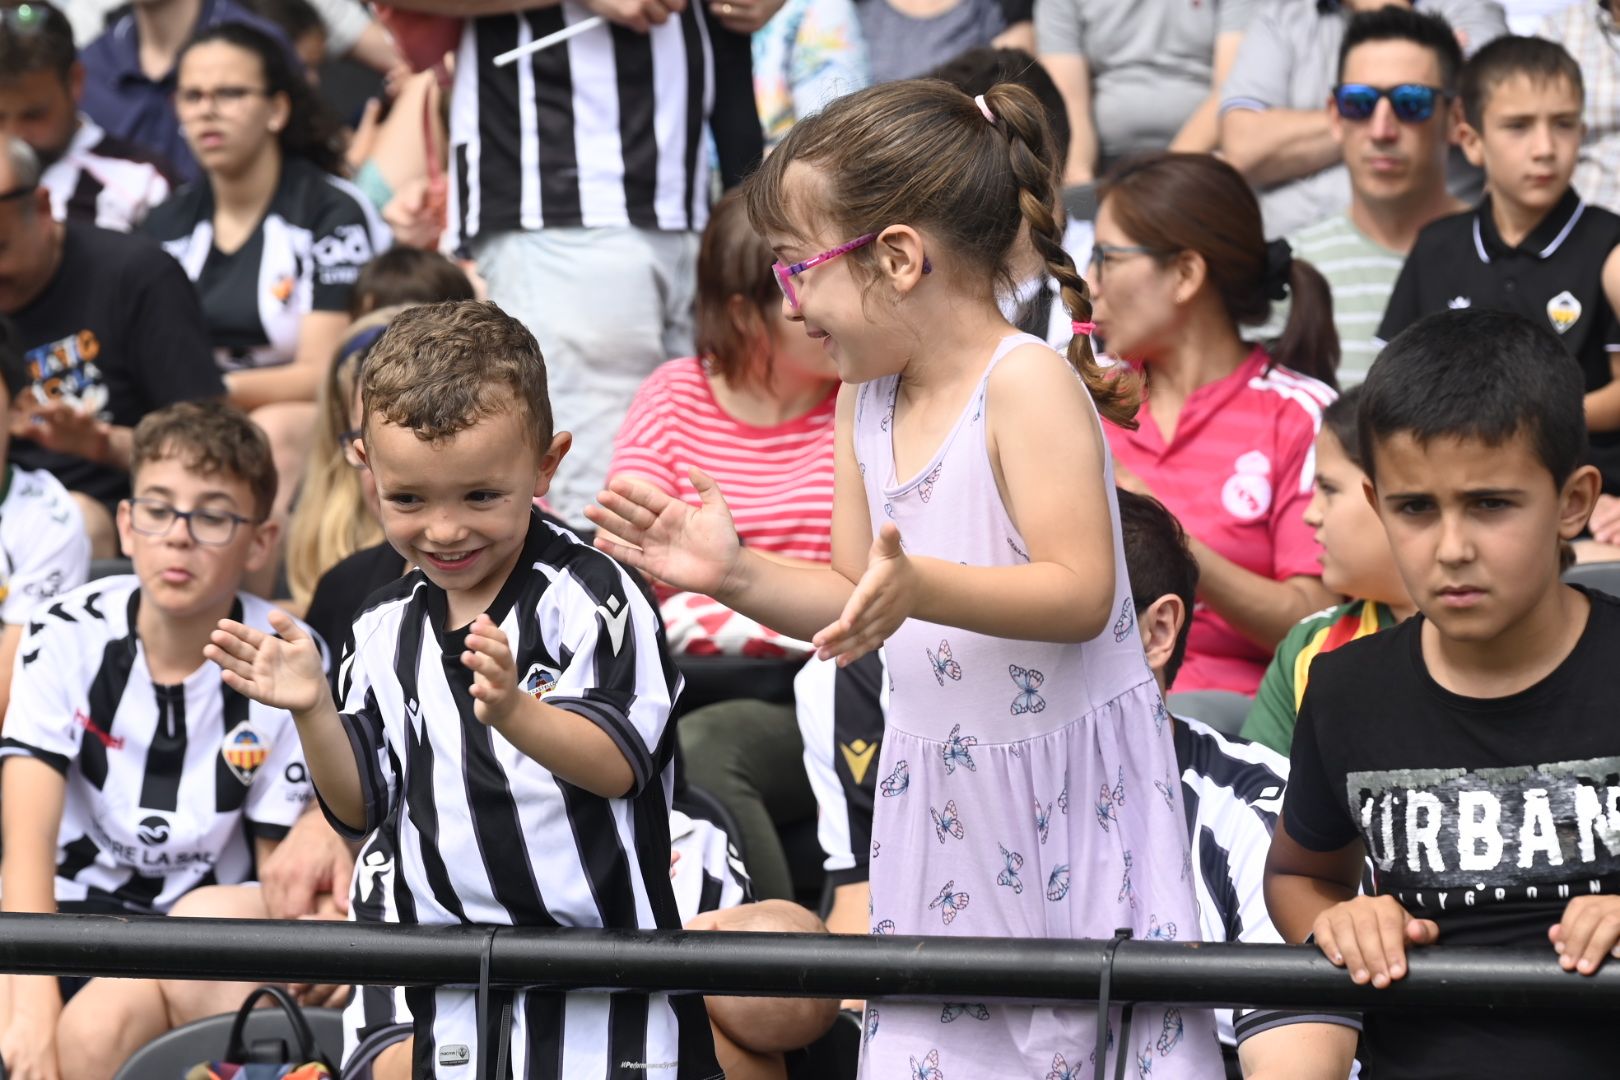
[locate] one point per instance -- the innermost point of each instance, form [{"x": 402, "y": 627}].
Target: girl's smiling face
[{"x": 847, "y": 303}]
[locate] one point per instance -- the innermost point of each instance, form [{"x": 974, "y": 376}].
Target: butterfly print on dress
[
  {"x": 954, "y": 1011},
  {"x": 928, "y": 1068},
  {"x": 1028, "y": 681},
  {"x": 949, "y": 903},
  {"x": 955, "y": 750},
  {"x": 1011, "y": 862},
  {"x": 944, "y": 665},
  {"x": 946, "y": 823},
  {"x": 897, "y": 781},
  {"x": 1126, "y": 620}
]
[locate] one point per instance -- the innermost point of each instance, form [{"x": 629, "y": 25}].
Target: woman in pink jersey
[
  {"x": 1227, "y": 427},
  {"x": 754, "y": 410}
]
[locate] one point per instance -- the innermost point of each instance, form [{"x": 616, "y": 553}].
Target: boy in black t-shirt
[
  {"x": 1532, "y": 245},
  {"x": 1471, "y": 752}
]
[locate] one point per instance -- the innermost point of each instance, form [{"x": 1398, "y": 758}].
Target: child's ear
[
  {"x": 560, "y": 444},
  {"x": 1577, "y": 500},
  {"x": 1472, "y": 142},
  {"x": 263, "y": 547},
  {"x": 1369, "y": 492},
  {"x": 902, "y": 257},
  {"x": 1160, "y": 624},
  {"x": 126, "y": 540}
]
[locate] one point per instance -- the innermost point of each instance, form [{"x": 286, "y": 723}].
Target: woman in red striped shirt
[{"x": 754, "y": 410}]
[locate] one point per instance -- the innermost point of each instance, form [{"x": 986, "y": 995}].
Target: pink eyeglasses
[{"x": 786, "y": 274}]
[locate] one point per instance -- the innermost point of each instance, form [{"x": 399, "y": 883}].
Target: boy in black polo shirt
[
  {"x": 1470, "y": 752},
  {"x": 1532, "y": 246}
]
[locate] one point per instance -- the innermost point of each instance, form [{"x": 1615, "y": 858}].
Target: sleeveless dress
[{"x": 1026, "y": 790}]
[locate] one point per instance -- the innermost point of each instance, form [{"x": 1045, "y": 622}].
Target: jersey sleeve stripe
[
  {"x": 618, "y": 727},
  {"x": 18, "y": 748}
]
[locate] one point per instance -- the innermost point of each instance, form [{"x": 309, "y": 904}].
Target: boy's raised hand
[
  {"x": 283, "y": 672},
  {"x": 494, "y": 688},
  {"x": 693, "y": 549},
  {"x": 1588, "y": 933},
  {"x": 1369, "y": 935},
  {"x": 883, "y": 599}
]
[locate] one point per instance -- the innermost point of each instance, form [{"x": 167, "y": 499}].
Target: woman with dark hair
[
  {"x": 754, "y": 411},
  {"x": 1227, "y": 426},
  {"x": 272, "y": 237}
]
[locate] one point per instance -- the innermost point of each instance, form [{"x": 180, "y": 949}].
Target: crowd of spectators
[{"x": 205, "y": 233}]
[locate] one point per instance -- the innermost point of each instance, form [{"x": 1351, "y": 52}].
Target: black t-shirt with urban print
[{"x": 1486, "y": 815}]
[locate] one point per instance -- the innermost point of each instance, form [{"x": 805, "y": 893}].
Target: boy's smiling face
[
  {"x": 1475, "y": 528},
  {"x": 459, "y": 507},
  {"x": 1530, "y": 133}
]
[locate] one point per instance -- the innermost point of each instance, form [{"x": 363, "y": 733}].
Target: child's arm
[
  {"x": 1046, "y": 448},
  {"x": 570, "y": 746},
  {"x": 695, "y": 549},
  {"x": 30, "y": 817},
  {"x": 285, "y": 672},
  {"x": 1311, "y": 892},
  {"x": 1588, "y": 934}
]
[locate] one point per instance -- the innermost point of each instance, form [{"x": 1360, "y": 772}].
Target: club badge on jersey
[
  {"x": 244, "y": 751},
  {"x": 1563, "y": 311},
  {"x": 540, "y": 681}
]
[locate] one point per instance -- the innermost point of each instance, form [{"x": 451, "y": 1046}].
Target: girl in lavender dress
[{"x": 1028, "y": 776}]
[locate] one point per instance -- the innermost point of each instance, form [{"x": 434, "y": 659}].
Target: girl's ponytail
[{"x": 1017, "y": 114}]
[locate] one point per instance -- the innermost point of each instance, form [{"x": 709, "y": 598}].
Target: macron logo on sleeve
[{"x": 614, "y": 614}]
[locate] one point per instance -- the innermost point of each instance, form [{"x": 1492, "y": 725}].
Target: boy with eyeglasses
[
  {"x": 1533, "y": 246},
  {"x": 133, "y": 776}
]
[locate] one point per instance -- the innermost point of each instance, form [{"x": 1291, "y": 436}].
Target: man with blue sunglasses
[
  {"x": 1391, "y": 117},
  {"x": 1277, "y": 108}
]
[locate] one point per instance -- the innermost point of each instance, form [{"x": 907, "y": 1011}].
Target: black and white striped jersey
[
  {"x": 166, "y": 785},
  {"x": 841, "y": 717},
  {"x": 44, "y": 550},
  {"x": 1232, "y": 792},
  {"x": 707, "y": 876},
  {"x": 483, "y": 834},
  {"x": 105, "y": 181},
  {"x": 609, "y": 128},
  {"x": 305, "y": 256}
]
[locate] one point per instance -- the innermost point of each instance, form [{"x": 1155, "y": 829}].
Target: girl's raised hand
[
  {"x": 283, "y": 672},
  {"x": 882, "y": 600},
  {"x": 692, "y": 549}
]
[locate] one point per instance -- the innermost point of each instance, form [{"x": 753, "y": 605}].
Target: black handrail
[{"x": 794, "y": 965}]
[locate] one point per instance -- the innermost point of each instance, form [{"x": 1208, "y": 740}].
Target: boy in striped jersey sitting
[
  {"x": 1356, "y": 563},
  {"x": 133, "y": 780},
  {"x": 505, "y": 707}
]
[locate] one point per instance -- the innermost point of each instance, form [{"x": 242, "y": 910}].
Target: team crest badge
[
  {"x": 539, "y": 681},
  {"x": 1246, "y": 495},
  {"x": 282, "y": 290},
  {"x": 244, "y": 751},
  {"x": 1563, "y": 311}
]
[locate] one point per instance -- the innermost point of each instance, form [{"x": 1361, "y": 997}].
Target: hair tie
[
  {"x": 988, "y": 115},
  {"x": 1086, "y": 328},
  {"x": 1279, "y": 269}
]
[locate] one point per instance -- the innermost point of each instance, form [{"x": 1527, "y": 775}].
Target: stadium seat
[
  {"x": 727, "y": 678},
  {"x": 1602, "y": 576},
  {"x": 170, "y": 1055},
  {"x": 1223, "y": 710}
]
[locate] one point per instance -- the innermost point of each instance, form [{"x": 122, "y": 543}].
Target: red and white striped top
[{"x": 778, "y": 481}]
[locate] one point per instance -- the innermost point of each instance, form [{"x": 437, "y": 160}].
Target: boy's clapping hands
[{"x": 494, "y": 688}]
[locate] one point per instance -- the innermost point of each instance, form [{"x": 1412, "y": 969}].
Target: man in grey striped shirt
[{"x": 1397, "y": 171}]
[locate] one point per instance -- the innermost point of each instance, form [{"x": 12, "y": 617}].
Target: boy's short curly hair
[
  {"x": 440, "y": 368},
  {"x": 212, "y": 438}
]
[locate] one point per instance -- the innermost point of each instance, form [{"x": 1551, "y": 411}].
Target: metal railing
[{"x": 793, "y": 965}]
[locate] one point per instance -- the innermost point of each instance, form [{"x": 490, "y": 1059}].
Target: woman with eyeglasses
[
  {"x": 271, "y": 236},
  {"x": 1227, "y": 425}
]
